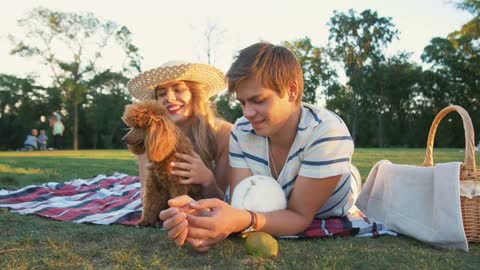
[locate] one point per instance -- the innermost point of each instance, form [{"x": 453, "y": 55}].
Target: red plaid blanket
[{"x": 115, "y": 199}]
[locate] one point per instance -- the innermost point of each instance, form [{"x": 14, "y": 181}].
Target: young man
[{"x": 307, "y": 149}]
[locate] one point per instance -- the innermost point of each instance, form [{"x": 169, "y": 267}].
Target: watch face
[{"x": 248, "y": 231}]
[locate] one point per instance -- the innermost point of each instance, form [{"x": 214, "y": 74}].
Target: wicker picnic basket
[{"x": 468, "y": 172}]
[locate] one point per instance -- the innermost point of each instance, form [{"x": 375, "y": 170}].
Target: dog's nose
[{"x": 125, "y": 138}]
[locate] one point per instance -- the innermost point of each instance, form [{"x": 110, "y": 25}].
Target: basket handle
[{"x": 469, "y": 163}]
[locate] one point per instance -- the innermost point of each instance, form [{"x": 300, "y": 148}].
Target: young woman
[{"x": 184, "y": 89}]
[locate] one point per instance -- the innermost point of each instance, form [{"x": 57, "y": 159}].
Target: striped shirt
[{"x": 322, "y": 148}]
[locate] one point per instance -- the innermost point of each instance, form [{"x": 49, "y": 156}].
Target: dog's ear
[
  {"x": 138, "y": 114},
  {"x": 127, "y": 116},
  {"x": 161, "y": 139}
]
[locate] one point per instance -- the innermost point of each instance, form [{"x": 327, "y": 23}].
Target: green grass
[{"x": 30, "y": 242}]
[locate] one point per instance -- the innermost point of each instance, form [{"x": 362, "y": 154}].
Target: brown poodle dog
[{"x": 152, "y": 131}]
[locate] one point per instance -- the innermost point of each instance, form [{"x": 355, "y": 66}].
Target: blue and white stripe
[{"x": 322, "y": 148}]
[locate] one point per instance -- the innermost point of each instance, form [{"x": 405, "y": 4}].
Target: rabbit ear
[{"x": 161, "y": 139}]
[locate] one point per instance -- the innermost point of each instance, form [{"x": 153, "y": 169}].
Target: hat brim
[{"x": 142, "y": 87}]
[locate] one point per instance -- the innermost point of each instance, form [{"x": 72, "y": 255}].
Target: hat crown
[{"x": 142, "y": 86}]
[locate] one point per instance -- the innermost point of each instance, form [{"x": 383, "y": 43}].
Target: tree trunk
[
  {"x": 75, "y": 126},
  {"x": 380, "y": 130},
  {"x": 112, "y": 135},
  {"x": 95, "y": 139},
  {"x": 354, "y": 118}
]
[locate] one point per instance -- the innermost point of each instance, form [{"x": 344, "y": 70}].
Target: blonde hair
[
  {"x": 276, "y": 67},
  {"x": 205, "y": 123}
]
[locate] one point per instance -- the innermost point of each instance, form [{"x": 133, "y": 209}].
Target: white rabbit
[{"x": 259, "y": 193}]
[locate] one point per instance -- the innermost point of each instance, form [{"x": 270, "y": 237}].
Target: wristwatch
[{"x": 252, "y": 226}]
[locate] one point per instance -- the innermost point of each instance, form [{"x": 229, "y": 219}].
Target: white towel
[{"x": 420, "y": 202}]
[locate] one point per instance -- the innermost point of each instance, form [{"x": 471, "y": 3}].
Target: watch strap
[{"x": 251, "y": 227}]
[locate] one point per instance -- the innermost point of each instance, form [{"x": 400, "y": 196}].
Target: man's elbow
[{"x": 304, "y": 221}]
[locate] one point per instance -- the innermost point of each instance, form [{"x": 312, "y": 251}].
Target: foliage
[
  {"x": 359, "y": 38},
  {"x": 22, "y": 103},
  {"x": 389, "y": 104},
  {"x": 71, "y": 46},
  {"x": 387, "y": 101},
  {"x": 103, "y": 127},
  {"x": 228, "y": 108},
  {"x": 315, "y": 65},
  {"x": 357, "y": 41},
  {"x": 455, "y": 69},
  {"x": 471, "y": 29}
]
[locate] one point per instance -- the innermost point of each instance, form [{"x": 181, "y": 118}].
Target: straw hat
[{"x": 142, "y": 87}]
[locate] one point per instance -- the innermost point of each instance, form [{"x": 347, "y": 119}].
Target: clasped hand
[
  {"x": 202, "y": 224},
  {"x": 193, "y": 170}
]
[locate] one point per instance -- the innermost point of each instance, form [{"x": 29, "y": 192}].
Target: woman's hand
[
  {"x": 205, "y": 232},
  {"x": 193, "y": 170}
]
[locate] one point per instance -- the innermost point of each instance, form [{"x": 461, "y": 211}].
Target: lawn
[{"x": 30, "y": 242}]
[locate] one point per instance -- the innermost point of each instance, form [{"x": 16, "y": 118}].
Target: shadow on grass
[
  {"x": 8, "y": 181},
  {"x": 17, "y": 172}
]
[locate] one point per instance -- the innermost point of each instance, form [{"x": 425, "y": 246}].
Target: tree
[
  {"x": 393, "y": 88},
  {"x": 454, "y": 76},
  {"x": 229, "y": 109},
  {"x": 104, "y": 109},
  {"x": 457, "y": 66},
  {"x": 210, "y": 36},
  {"x": 338, "y": 99},
  {"x": 357, "y": 40},
  {"x": 22, "y": 104},
  {"x": 213, "y": 36},
  {"x": 72, "y": 46},
  {"x": 315, "y": 65},
  {"x": 456, "y": 59},
  {"x": 471, "y": 29}
]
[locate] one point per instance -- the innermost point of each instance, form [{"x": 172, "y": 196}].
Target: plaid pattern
[{"x": 115, "y": 199}]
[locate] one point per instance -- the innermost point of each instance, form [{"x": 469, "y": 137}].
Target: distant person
[
  {"x": 57, "y": 130},
  {"x": 42, "y": 140},
  {"x": 30, "y": 143}
]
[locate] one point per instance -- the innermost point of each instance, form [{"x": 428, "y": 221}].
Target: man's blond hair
[{"x": 276, "y": 67}]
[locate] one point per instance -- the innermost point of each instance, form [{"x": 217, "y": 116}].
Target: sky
[{"x": 173, "y": 30}]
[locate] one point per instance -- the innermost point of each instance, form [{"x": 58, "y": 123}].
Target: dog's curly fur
[{"x": 152, "y": 131}]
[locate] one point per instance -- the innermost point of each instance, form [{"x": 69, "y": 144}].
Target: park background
[
  {"x": 385, "y": 82},
  {"x": 386, "y": 67}
]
